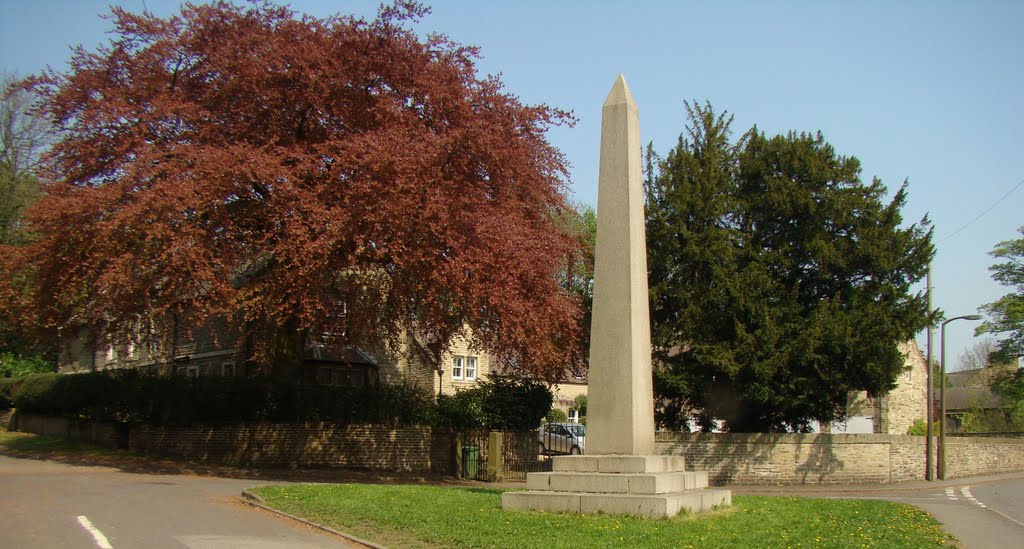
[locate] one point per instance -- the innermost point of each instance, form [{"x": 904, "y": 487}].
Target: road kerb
[{"x": 254, "y": 500}]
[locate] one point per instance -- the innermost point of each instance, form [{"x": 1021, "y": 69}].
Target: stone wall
[
  {"x": 785, "y": 459},
  {"x": 104, "y": 434},
  {"x": 745, "y": 459},
  {"x": 310, "y": 445},
  {"x": 969, "y": 456}
]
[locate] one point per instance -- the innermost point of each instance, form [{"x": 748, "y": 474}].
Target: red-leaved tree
[{"x": 298, "y": 176}]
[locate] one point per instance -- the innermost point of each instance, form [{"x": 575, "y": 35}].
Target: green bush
[
  {"x": 495, "y": 403},
  {"x": 556, "y": 416},
  {"x": 141, "y": 397},
  {"x": 134, "y": 396},
  {"x": 919, "y": 428},
  {"x": 514, "y": 404},
  {"x": 13, "y": 365},
  {"x": 462, "y": 410}
]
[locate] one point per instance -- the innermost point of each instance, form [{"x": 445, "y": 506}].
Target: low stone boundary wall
[
  {"x": 407, "y": 448},
  {"x": 104, "y": 434},
  {"x": 310, "y": 445},
  {"x": 787, "y": 459},
  {"x": 743, "y": 459},
  {"x": 970, "y": 456}
]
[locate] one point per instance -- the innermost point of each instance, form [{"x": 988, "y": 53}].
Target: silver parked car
[{"x": 562, "y": 438}]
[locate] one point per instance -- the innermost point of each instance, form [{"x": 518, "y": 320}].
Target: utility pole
[{"x": 931, "y": 384}]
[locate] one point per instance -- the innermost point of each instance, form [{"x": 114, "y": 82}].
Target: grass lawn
[
  {"x": 428, "y": 516},
  {"x": 28, "y": 443}
]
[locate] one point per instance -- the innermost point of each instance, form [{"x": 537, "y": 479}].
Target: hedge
[{"x": 140, "y": 397}]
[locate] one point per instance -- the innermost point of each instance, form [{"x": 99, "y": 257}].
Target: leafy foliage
[
  {"x": 581, "y": 223},
  {"x": 919, "y": 428},
  {"x": 1006, "y": 316},
  {"x": 556, "y": 415},
  {"x": 498, "y": 402},
  {"x": 133, "y": 396},
  {"x": 300, "y": 176},
  {"x": 12, "y": 365},
  {"x": 780, "y": 282},
  {"x": 1009, "y": 384},
  {"x": 24, "y": 135}
]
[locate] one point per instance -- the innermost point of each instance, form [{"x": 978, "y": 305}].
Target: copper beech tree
[{"x": 297, "y": 176}]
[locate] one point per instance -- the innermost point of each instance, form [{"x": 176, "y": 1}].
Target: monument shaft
[
  {"x": 620, "y": 408},
  {"x": 620, "y": 475}
]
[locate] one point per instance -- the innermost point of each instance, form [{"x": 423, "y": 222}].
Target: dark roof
[{"x": 965, "y": 398}]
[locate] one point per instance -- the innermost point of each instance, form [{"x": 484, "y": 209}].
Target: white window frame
[
  {"x": 192, "y": 371},
  {"x": 458, "y": 363},
  {"x": 471, "y": 368},
  {"x": 227, "y": 369},
  {"x": 130, "y": 350},
  {"x": 574, "y": 415}
]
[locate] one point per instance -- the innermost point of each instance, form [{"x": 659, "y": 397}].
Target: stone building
[
  {"x": 895, "y": 412},
  {"x": 210, "y": 350}
]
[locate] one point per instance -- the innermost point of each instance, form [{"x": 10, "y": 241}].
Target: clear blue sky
[{"x": 931, "y": 92}]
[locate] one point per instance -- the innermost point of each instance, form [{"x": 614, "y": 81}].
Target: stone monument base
[{"x": 646, "y": 486}]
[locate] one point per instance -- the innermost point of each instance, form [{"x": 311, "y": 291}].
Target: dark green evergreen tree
[
  {"x": 779, "y": 280},
  {"x": 1006, "y": 316}
]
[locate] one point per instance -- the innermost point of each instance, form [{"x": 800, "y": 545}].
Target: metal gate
[
  {"x": 473, "y": 456},
  {"x": 521, "y": 454}
]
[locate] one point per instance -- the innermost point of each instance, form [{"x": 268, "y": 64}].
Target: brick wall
[
  {"x": 310, "y": 445},
  {"x": 782, "y": 459}
]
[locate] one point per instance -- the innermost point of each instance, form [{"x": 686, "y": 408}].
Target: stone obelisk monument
[
  {"x": 621, "y": 474},
  {"x": 620, "y": 397}
]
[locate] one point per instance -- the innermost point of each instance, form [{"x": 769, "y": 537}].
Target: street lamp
[{"x": 942, "y": 391}]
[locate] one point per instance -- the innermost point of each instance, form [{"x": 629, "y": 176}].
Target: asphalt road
[
  {"x": 42, "y": 504},
  {"x": 985, "y": 514}
]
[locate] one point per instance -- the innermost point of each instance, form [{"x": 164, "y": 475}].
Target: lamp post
[{"x": 942, "y": 391}]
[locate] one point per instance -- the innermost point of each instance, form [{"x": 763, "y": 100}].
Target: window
[
  {"x": 908, "y": 375},
  {"x": 464, "y": 368},
  {"x": 192, "y": 371},
  {"x": 131, "y": 349},
  {"x": 574, "y": 416},
  {"x": 457, "y": 367},
  {"x": 111, "y": 353},
  {"x": 227, "y": 369}
]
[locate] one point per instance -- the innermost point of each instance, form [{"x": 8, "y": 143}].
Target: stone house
[
  {"x": 209, "y": 350},
  {"x": 565, "y": 394},
  {"x": 895, "y": 412}
]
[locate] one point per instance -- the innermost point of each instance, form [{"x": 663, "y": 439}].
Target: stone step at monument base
[
  {"x": 646, "y": 486},
  {"x": 618, "y": 483},
  {"x": 613, "y": 463},
  {"x": 643, "y": 505}
]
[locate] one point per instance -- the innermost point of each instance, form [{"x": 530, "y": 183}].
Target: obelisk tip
[{"x": 620, "y": 93}]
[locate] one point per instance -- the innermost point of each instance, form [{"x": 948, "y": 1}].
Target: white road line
[
  {"x": 101, "y": 540},
  {"x": 966, "y": 491},
  {"x": 950, "y": 494}
]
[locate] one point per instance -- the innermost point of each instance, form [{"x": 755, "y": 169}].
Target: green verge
[
  {"x": 31, "y": 444},
  {"x": 428, "y": 516}
]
